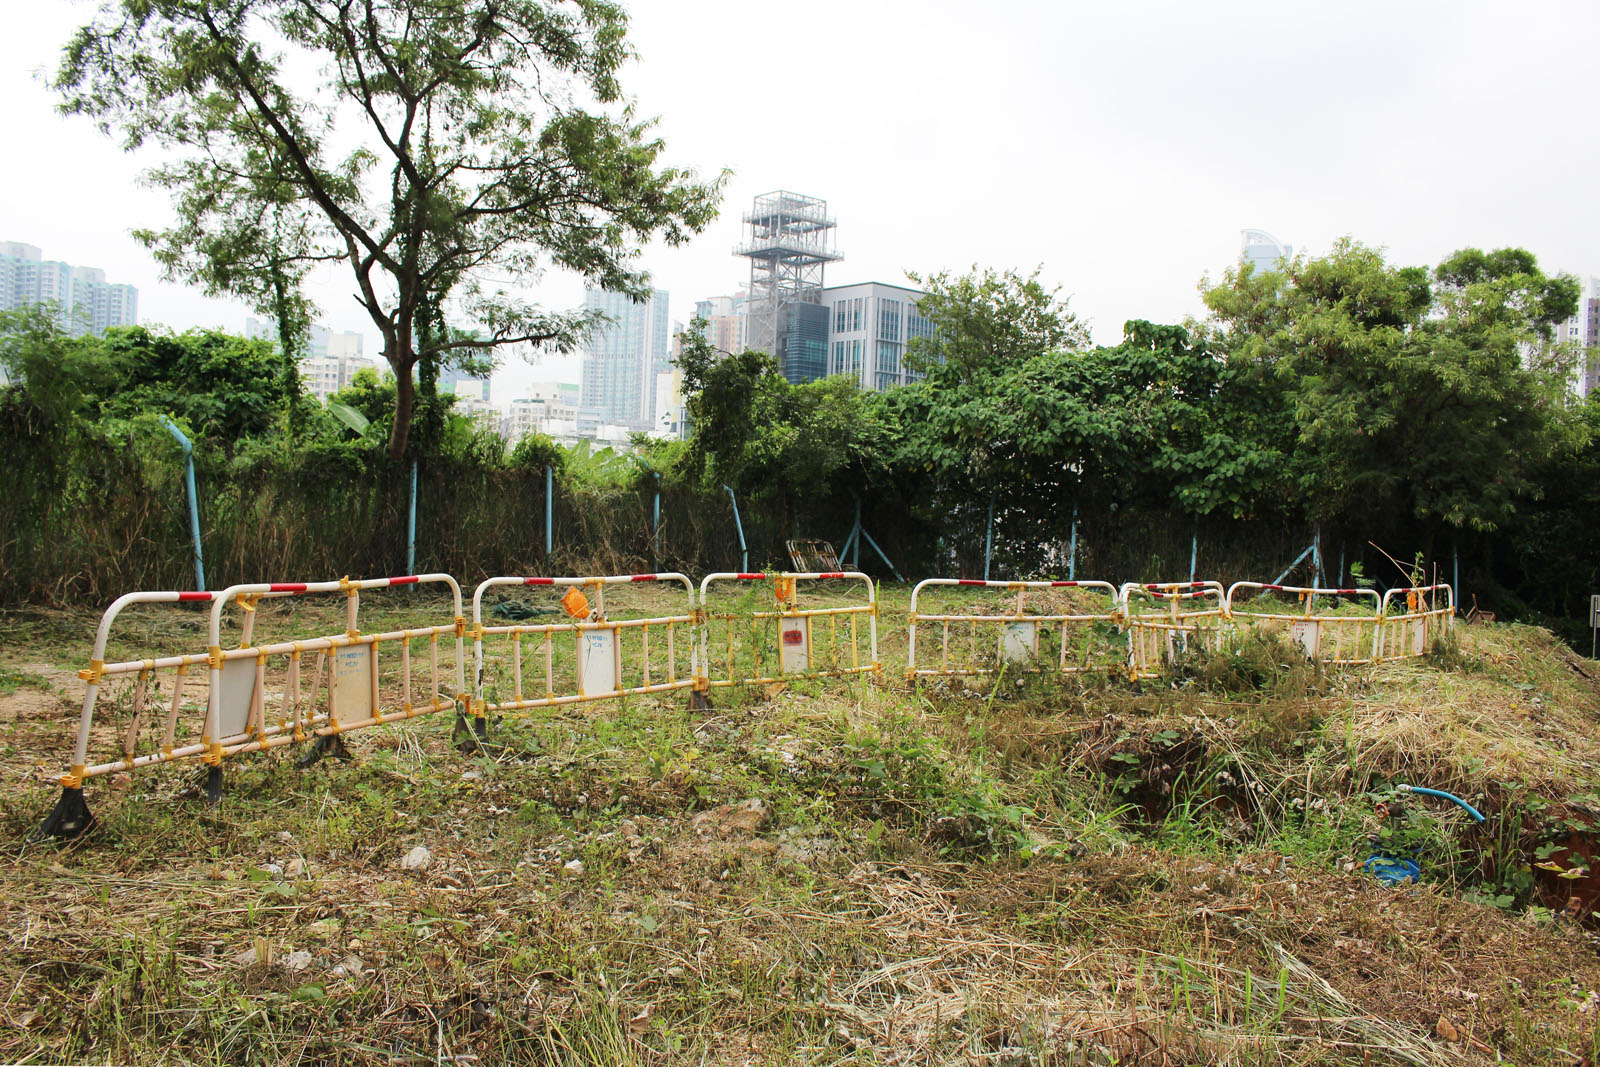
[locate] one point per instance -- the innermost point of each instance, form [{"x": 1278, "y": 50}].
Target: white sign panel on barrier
[
  {"x": 1019, "y": 642},
  {"x": 1306, "y": 632},
  {"x": 597, "y": 661},
  {"x": 794, "y": 645},
  {"x": 233, "y": 705},
  {"x": 352, "y": 683}
]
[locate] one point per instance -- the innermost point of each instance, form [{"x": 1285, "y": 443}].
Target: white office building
[{"x": 869, "y": 326}]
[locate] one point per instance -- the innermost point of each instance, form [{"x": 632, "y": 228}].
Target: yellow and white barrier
[
  {"x": 1166, "y": 618},
  {"x": 1328, "y": 637},
  {"x": 348, "y": 668},
  {"x": 1429, "y": 612},
  {"x": 240, "y": 683},
  {"x": 759, "y": 644},
  {"x": 595, "y": 665},
  {"x": 1015, "y": 640}
]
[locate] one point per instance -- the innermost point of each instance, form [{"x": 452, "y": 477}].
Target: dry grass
[{"x": 943, "y": 879}]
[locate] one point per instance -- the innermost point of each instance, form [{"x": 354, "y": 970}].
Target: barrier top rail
[
  {"x": 1016, "y": 587},
  {"x": 811, "y": 576},
  {"x": 1173, "y": 590},
  {"x": 1306, "y": 593},
  {"x": 602, "y": 581},
  {"x": 1415, "y": 597}
]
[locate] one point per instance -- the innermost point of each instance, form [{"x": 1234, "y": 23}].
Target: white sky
[{"x": 1122, "y": 147}]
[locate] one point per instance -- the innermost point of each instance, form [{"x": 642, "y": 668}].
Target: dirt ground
[{"x": 825, "y": 872}]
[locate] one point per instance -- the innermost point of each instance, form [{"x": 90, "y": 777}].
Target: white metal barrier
[
  {"x": 1331, "y": 638},
  {"x": 1430, "y": 611},
  {"x": 1018, "y": 632},
  {"x": 762, "y": 645},
  {"x": 597, "y": 668},
  {"x": 1193, "y": 618}
]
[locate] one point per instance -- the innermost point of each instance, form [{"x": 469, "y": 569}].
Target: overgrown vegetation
[{"x": 1035, "y": 872}]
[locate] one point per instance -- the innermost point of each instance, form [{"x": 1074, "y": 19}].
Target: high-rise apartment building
[
  {"x": 622, "y": 358},
  {"x": 85, "y": 302},
  {"x": 725, "y": 321},
  {"x": 1263, "y": 251}
]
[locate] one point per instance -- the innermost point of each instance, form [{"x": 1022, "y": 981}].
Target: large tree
[
  {"x": 1434, "y": 395},
  {"x": 444, "y": 150}
]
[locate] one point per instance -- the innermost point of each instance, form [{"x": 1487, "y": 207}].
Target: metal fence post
[
  {"x": 549, "y": 511},
  {"x": 194, "y": 503},
  {"x": 411, "y": 525},
  {"x": 1072, "y": 549},
  {"x": 988, "y": 539},
  {"x": 744, "y": 550}
]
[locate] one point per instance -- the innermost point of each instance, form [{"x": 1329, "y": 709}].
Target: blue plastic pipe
[
  {"x": 1468, "y": 808},
  {"x": 194, "y": 503}
]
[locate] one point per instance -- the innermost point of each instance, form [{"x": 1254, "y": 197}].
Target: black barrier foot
[
  {"x": 699, "y": 701},
  {"x": 212, "y": 786},
  {"x": 69, "y": 818},
  {"x": 326, "y": 745},
  {"x": 471, "y": 735}
]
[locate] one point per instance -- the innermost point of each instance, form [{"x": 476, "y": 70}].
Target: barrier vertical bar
[
  {"x": 194, "y": 502},
  {"x": 411, "y": 524}
]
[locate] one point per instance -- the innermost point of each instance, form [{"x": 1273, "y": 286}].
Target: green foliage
[
  {"x": 1404, "y": 394},
  {"x": 484, "y": 139},
  {"x": 987, "y": 322}
]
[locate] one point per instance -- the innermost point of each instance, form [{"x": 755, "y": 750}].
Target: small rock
[
  {"x": 727, "y": 820},
  {"x": 294, "y": 868},
  {"x": 349, "y": 967},
  {"x": 470, "y": 776},
  {"x": 574, "y": 867},
  {"x": 247, "y": 958},
  {"x": 274, "y": 869},
  {"x": 286, "y": 837},
  {"x": 297, "y": 960},
  {"x": 417, "y": 859}
]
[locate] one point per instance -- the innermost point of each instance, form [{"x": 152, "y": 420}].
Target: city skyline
[{"x": 1068, "y": 166}]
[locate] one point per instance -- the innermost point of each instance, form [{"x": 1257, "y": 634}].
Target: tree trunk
[{"x": 404, "y": 395}]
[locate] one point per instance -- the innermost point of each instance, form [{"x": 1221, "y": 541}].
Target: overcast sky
[{"x": 1120, "y": 147}]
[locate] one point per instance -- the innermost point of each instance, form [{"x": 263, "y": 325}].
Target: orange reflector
[
  {"x": 785, "y": 590},
  {"x": 575, "y": 603}
]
